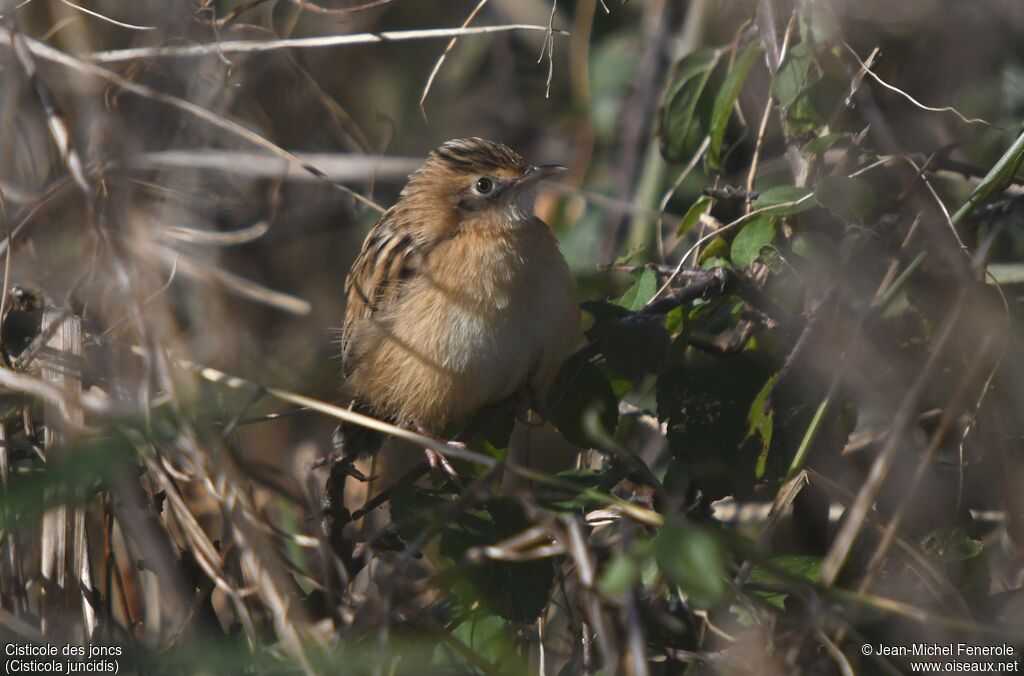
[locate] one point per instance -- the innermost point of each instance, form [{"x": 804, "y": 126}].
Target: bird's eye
[{"x": 483, "y": 185}]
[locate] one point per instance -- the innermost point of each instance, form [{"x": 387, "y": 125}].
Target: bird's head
[{"x": 480, "y": 179}]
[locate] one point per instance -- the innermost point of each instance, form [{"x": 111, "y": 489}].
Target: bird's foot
[
  {"x": 437, "y": 461},
  {"x": 345, "y": 464}
]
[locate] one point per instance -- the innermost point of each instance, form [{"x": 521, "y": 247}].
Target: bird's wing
[{"x": 389, "y": 258}]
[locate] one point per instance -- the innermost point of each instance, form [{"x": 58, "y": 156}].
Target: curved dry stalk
[
  {"x": 211, "y": 274},
  {"x": 663, "y": 204},
  {"x": 728, "y": 226},
  {"x": 763, "y": 125},
  {"x": 549, "y": 47},
  {"x": 362, "y": 7},
  {"x": 444, "y": 55},
  {"x": 56, "y": 56},
  {"x": 15, "y": 8},
  {"x": 244, "y": 235},
  {"x": 24, "y": 383},
  {"x": 866, "y": 69},
  {"x": 107, "y": 19},
  {"x": 837, "y": 554}
]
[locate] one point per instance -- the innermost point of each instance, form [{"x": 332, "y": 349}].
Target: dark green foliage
[
  {"x": 514, "y": 591},
  {"x": 851, "y": 199},
  {"x": 781, "y": 572},
  {"x": 706, "y": 406},
  {"x": 633, "y": 345},
  {"x": 726, "y": 99},
  {"x": 754, "y": 236},
  {"x": 868, "y": 334},
  {"x": 692, "y": 558},
  {"x": 582, "y": 387},
  {"x": 792, "y": 76},
  {"x": 784, "y": 200},
  {"x": 517, "y": 592},
  {"x": 640, "y": 293},
  {"x": 685, "y": 115}
]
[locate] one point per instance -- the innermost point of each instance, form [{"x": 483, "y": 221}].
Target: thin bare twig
[
  {"x": 335, "y": 166},
  {"x": 257, "y": 46},
  {"x": 340, "y": 11},
  {"x": 204, "y": 272},
  {"x": 729, "y": 226},
  {"x": 213, "y": 237},
  {"x": 50, "y": 54},
  {"x": 770, "y": 40},
  {"x": 904, "y": 415},
  {"x": 102, "y": 17},
  {"x": 444, "y": 55},
  {"x": 549, "y": 47},
  {"x": 768, "y": 104},
  {"x": 866, "y": 68}
]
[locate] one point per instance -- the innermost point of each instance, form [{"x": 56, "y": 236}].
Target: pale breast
[{"x": 489, "y": 317}]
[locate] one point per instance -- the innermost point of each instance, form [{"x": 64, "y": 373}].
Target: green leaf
[
  {"x": 760, "y": 423},
  {"x": 781, "y": 200},
  {"x": 823, "y": 24},
  {"x": 682, "y": 120},
  {"x": 413, "y": 507},
  {"x": 951, "y": 545},
  {"x": 603, "y": 480},
  {"x": 747, "y": 246},
  {"x": 819, "y": 145},
  {"x": 693, "y": 215},
  {"x": 849, "y": 198},
  {"x": 70, "y": 480},
  {"x": 709, "y": 261},
  {"x": 515, "y": 591},
  {"x": 706, "y": 406},
  {"x": 641, "y": 292},
  {"x": 633, "y": 346},
  {"x": 677, "y": 477},
  {"x": 488, "y": 635},
  {"x": 578, "y": 389},
  {"x": 621, "y": 386},
  {"x": 772, "y": 259},
  {"x": 813, "y": 107},
  {"x": 691, "y": 558},
  {"x": 627, "y": 257},
  {"x": 791, "y": 78},
  {"x": 625, "y": 571},
  {"x": 805, "y": 567},
  {"x": 727, "y": 95},
  {"x": 813, "y": 246},
  {"x": 603, "y": 311},
  {"x": 995, "y": 180},
  {"x": 717, "y": 248}
]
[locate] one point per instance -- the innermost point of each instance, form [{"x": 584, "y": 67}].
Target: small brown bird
[{"x": 460, "y": 296}]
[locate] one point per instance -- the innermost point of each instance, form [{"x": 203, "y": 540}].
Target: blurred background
[{"x": 201, "y": 208}]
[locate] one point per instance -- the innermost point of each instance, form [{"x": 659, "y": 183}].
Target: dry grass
[{"x": 184, "y": 184}]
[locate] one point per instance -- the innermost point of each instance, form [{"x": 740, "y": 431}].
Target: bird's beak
[{"x": 538, "y": 173}]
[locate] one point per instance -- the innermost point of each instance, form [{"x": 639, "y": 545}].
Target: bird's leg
[
  {"x": 525, "y": 402},
  {"x": 438, "y": 461}
]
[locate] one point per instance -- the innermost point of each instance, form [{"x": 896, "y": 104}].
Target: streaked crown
[
  {"x": 474, "y": 176},
  {"x": 477, "y": 155}
]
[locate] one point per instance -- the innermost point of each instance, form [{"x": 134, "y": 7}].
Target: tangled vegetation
[{"x": 788, "y": 441}]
